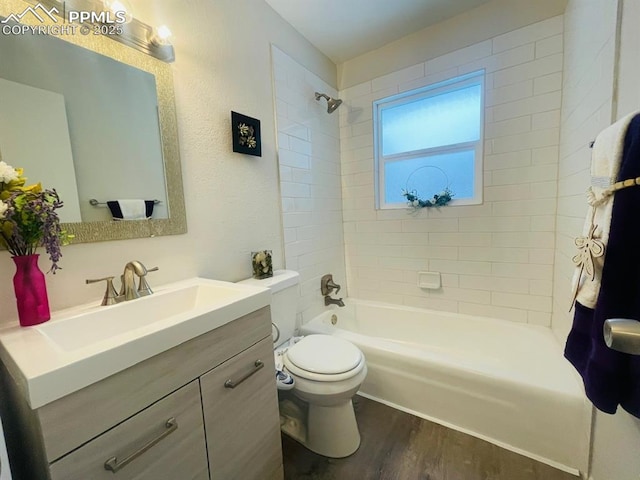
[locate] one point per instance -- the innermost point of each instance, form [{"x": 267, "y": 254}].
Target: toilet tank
[{"x": 284, "y": 300}]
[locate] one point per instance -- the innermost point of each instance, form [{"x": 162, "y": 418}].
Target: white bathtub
[{"x": 502, "y": 381}]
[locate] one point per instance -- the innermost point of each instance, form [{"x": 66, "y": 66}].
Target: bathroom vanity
[{"x": 203, "y": 409}]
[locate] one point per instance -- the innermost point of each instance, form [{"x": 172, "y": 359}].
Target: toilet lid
[{"x": 324, "y": 354}]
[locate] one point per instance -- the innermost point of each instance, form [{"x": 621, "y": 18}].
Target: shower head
[{"x": 332, "y": 103}]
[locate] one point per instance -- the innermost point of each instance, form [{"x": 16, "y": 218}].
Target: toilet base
[{"x": 330, "y": 431}]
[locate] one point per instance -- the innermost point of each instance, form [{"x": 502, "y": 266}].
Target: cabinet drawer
[
  {"x": 242, "y": 423},
  {"x": 157, "y": 447}
]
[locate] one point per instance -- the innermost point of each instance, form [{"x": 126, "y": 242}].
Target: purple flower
[{"x": 31, "y": 221}]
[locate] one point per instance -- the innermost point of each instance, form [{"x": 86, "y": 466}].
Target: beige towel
[{"x": 605, "y": 164}]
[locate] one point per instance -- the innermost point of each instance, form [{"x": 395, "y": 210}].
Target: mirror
[{"x": 95, "y": 120}]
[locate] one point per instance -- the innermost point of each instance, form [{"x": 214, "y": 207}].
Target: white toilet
[{"x": 327, "y": 372}]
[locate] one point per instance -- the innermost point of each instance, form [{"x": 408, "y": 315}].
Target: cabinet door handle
[
  {"x": 113, "y": 465},
  {"x": 258, "y": 364}
]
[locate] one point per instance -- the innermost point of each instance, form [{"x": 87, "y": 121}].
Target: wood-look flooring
[{"x": 399, "y": 446}]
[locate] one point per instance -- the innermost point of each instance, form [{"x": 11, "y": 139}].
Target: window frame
[{"x": 432, "y": 90}]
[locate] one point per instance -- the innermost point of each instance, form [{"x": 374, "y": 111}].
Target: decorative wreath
[{"x": 438, "y": 200}]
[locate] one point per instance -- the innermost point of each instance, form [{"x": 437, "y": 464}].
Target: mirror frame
[{"x": 176, "y": 224}]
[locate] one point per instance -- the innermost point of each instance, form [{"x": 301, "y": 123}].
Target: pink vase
[{"x": 31, "y": 291}]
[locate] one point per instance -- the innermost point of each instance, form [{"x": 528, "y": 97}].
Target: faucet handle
[
  {"x": 143, "y": 287},
  {"x": 110, "y": 293},
  {"x": 327, "y": 285}
]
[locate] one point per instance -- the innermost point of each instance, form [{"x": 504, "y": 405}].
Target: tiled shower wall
[
  {"x": 496, "y": 259},
  {"x": 310, "y": 183}
]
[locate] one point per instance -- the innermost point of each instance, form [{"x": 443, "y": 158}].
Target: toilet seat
[{"x": 324, "y": 358}]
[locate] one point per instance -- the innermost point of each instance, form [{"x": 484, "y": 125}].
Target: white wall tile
[
  {"x": 531, "y": 33},
  {"x": 508, "y": 127},
  {"x": 310, "y": 180},
  {"x": 547, "y": 83},
  {"x": 527, "y": 106},
  {"x": 508, "y": 93},
  {"x": 496, "y": 259},
  {"x": 401, "y": 76},
  {"x": 536, "y": 303},
  {"x": 549, "y": 46},
  {"x": 458, "y": 57},
  {"x": 493, "y": 311},
  {"x": 494, "y": 283},
  {"x": 520, "y": 73},
  {"x": 519, "y": 158}
]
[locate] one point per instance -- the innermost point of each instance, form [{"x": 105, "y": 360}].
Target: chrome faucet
[
  {"x": 327, "y": 285},
  {"x": 128, "y": 290},
  {"x": 333, "y": 301}
]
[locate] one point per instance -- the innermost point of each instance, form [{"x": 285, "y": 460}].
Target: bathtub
[{"x": 501, "y": 381}]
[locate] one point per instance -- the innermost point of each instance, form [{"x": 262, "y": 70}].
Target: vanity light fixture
[
  {"x": 161, "y": 36},
  {"x": 133, "y": 33}
]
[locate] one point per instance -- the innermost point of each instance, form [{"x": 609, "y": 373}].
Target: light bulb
[
  {"x": 120, "y": 6},
  {"x": 161, "y": 35}
]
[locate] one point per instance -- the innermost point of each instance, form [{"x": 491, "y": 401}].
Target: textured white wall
[
  {"x": 309, "y": 159},
  {"x": 495, "y": 258},
  {"x": 232, "y": 200}
]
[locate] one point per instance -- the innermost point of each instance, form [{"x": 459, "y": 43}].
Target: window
[{"x": 430, "y": 139}]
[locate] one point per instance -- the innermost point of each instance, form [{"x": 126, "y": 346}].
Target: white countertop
[{"x": 63, "y": 355}]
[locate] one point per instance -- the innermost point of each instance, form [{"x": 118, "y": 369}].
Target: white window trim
[{"x": 473, "y": 78}]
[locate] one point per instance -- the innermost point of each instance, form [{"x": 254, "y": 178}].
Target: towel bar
[{"x": 95, "y": 202}]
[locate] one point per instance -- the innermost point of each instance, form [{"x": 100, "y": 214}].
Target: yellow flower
[{"x": 18, "y": 186}]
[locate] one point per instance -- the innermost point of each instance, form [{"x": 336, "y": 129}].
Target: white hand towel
[
  {"x": 605, "y": 164},
  {"x": 133, "y": 209}
]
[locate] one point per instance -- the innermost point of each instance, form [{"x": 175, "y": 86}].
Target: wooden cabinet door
[
  {"x": 242, "y": 423},
  {"x": 163, "y": 442}
]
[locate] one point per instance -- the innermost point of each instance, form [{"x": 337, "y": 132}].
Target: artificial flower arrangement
[
  {"x": 439, "y": 199},
  {"x": 28, "y": 217}
]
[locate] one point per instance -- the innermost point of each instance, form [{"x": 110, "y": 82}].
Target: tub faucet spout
[{"x": 333, "y": 301}]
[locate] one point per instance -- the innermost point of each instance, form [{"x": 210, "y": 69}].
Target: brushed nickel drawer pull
[
  {"x": 113, "y": 465},
  {"x": 258, "y": 364}
]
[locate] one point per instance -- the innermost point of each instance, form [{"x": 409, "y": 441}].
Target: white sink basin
[
  {"x": 102, "y": 324},
  {"x": 83, "y": 345}
]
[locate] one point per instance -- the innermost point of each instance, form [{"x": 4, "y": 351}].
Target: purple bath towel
[{"x": 612, "y": 378}]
